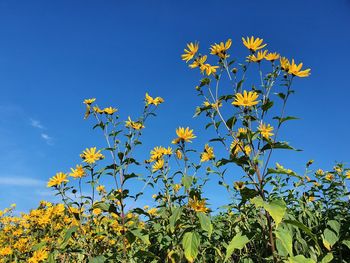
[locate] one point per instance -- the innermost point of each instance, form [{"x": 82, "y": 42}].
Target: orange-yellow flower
[
  {"x": 197, "y": 205},
  {"x": 198, "y": 62},
  {"x": 158, "y": 165},
  {"x": 253, "y": 44},
  {"x": 58, "y": 179},
  {"x": 284, "y": 62},
  {"x": 329, "y": 177},
  {"x": 272, "y": 56},
  {"x": 90, "y": 156},
  {"x": 89, "y": 101},
  {"x": 239, "y": 185},
  {"x": 220, "y": 49},
  {"x": 109, "y": 110},
  {"x": 265, "y": 130},
  {"x": 258, "y": 56},
  {"x": 295, "y": 70},
  {"x": 207, "y": 154},
  {"x": 190, "y": 52},
  {"x": 247, "y": 99},
  {"x": 155, "y": 101},
  {"x": 134, "y": 124},
  {"x": 183, "y": 135},
  {"x": 209, "y": 69},
  {"x": 78, "y": 172}
]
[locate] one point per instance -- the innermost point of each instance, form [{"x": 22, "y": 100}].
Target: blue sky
[{"x": 53, "y": 54}]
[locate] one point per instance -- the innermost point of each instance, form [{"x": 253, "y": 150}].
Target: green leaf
[
  {"x": 231, "y": 122},
  {"x": 276, "y": 208},
  {"x": 277, "y": 145},
  {"x": 346, "y": 243},
  {"x": 98, "y": 259},
  {"x": 190, "y": 243},
  {"x": 138, "y": 233},
  {"x": 288, "y": 118},
  {"x": 205, "y": 222},
  {"x": 327, "y": 258},
  {"x": 267, "y": 105},
  {"x": 174, "y": 217},
  {"x": 329, "y": 238},
  {"x": 334, "y": 225},
  {"x": 237, "y": 242},
  {"x": 68, "y": 235},
  {"x": 300, "y": 259},
  {"x": 187, "y": 181},
  {"x": 286, "y": 241}
]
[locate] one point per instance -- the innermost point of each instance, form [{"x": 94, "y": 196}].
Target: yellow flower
[
  {"x": 109, "y": 110},
  {"x": 241, "y": 131},
  {"x": 220, "y": 49},
  {"x": 158, "y": 165},
  {"x": 247, "y": 99},
  {"x": 265, "y": 130},
  {"x": 90, "y": 156},
  {"x": 78, "y": 172},
  {"x": 97, "y": 110},
  {"x": 329, "y": 177},
  {"x": 178, "y": 154},
  {"x": 177, "y": 187},
  {"x": 272, "y": 56},
  {"x": 89, "y": 101},
  {"x": 154, "y": 196},
  {"x": 284, "y": 62},
  {"x": 97, "y": 211},
  {"x": 155, "y": 101},
  {"x": 237, "y": 146},
  {"x": 190, "y": 52},
  {"x": 152, "y": 211},
  {"x": 208, "y": 154},
  {"x": 198, "y": 62},
  {"x": 311, "y": 198},
  {"x": 158, "y": 152},
  {"x": 320, "y": 172},
  {"x": 214, "y": 105},
  {"x": 58, "y": 179},
  {"x": 239, "y": 185},
  {"x": 247, "y": 150},
  {"x": 258, "y": 57},
  {"x": 6, "y": 251},
  {"x": 209, "y": 69},
  {"x": 317, "y": 184},
  {"x": 338, "y": 169},
  {"x": 101, "y": 189},
  {"x": 134, "y": 124},
  {"x": 295, "y": 70},
  {"x": 39, "y": 256},
  {"x": 347, "y": 174},
  {"x": 183, "y": 135},
  {"x": 253, "y": 44},
  {"x": 197, "y": 205}
]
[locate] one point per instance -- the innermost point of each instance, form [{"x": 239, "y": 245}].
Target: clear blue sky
[{"x": 53, "y": 54}]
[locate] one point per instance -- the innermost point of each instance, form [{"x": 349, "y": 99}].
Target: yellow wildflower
[
  {"x": 247, "y": 99},
  {"x": 347, "y": 174},
  {"x": 295, "y": 70},
  {"x": 154, "y": 196},
  {"x": 197, "y": 205},
  {"x": 152, "y": 211},
  {"x": 97, "y": 110},
  {"x": 134, "y": 124},
  {"x": 190, "y": 52},
  {"x": 329, "y": 177},
  {"x": 319, "y": 172},
  {"x": 178, "y": 154},
  {"x": 177, "y": 187},
  {"x": 258, "y": 57},
  {"x": 265, "y": 130},
  {"x": 109, "y": 110},
  {"x": 311, "y": 198},
  {"x": 183, "y": 135},
  {"x": 78, "y": 172},
  {"x": 58, "y": 179},
  {"x": 97, "y": 211},
  {"x": 239, "y": 185},
  {"x": 198, "y": 62},
  {"x": 272, "y": 56},
  {"x": 253, "y": 44},
  {"x": 284, "y": 62},
  {"x": 101, "y": 189},
  {"x": 155, "y": 101},
  {"x": 241, "y": 131},
  {"x": 90, "y": 156},
  {"x": 6, "y": 251},
  {"x": 338, "y": 169},
  {"x": 208, "y": 154},
  {"x": 220, "y": 49},
  {"x": 158, "y": 165},
  {"x": 209, "y": 69},
  {"x": 89, "y": 101}
]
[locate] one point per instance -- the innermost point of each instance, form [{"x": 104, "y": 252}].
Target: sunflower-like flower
[
  {"x": 78, "y": 172},
  {"x": 197, "y": 205},
  {"x": 198, "y": 62},
  {"x": 58, "y": 179},
  {"x": 208, "y": 69},
  {"x": 347, "y": 174},
  {"x": 214, "y": 105},
  {"x": 329, "y": 177},
  {"x": 153, "y": 101},
  {"x": 207, "y": 154},
  {"x": 190, "y": 52},
  {"x": 134, "y": 124},
  {"x": 239, "y": 185},
  {"x": 319, "y": 172},
  {"x": 253, "y": 44},
  {"x": 109, "y": 110},
  {"x": 238, "y": 146},
  {"x": 295, "y": 70},
  {"x": 220, "y": 49},
  {"x": 89, "y": 101},
  {"x": 241, "y": 131},
  {"x": 90, "y": 156},
  {"x": 183, "y": 135},
  {"x": 257, "y": 57},
  {"x": 98, "y": 110},
  {"x": 284, "y": 62},
  {"x": 265, "y": 130},
  {"x": 158, "y": 152},
  {"x": 178, "y": 154},
  {"x": 272, "y": 56},
  {"x": 158, "y": 165},
  {"x": 39, "y": 256},
  {"x": 247, "y": 99}
]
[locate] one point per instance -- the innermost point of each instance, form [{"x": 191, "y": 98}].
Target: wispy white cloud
[
  {"x": 20, "y": 181},
  {"x": 36, "y": 124},
  {"x": 47, "y": 138}
]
